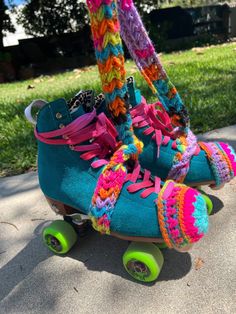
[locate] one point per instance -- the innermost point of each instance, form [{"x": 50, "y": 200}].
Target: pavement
[{"x": 91, "y": 279}]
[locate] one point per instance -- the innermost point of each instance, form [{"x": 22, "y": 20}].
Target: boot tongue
[{"x": 86, "y": 101}]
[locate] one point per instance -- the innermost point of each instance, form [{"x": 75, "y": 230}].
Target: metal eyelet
[
  {"x": 58, "y": 115},
  {"x": 65, "y": 137},
  {"x": 72, "y": 147},
  {"x": 61, "y": 126}
]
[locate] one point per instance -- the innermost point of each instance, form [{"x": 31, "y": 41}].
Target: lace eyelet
[
  {"x": 61, "y": 126},
  {"x": 72, "y": 147},
  {"x": 58, "y": 115}
]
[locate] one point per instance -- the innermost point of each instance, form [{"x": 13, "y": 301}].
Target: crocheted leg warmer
[{"x": 222, "y": 160}]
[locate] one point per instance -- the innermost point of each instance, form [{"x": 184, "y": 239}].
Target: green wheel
[
  {"x": 162, "y": 245},
  {"x": 208, "y": 203},
  {"x": 143, "y": 261},
  {"x": 59, "y": 236}
]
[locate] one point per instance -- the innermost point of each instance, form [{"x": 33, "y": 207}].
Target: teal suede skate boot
[
  {"x": 171, "y": 155},
  {"x": 75, "y": 149},
  {"x": 171, "y": 148}
]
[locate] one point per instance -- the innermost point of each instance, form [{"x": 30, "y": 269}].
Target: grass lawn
[{"x": 205, "y": 78}]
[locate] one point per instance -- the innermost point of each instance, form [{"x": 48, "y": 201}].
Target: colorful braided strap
[
  {"x": 108, "y": 189},
  {"x": 143, "y": 53},
  {"x": 110, "y": 56},
  {"x": 187, "y": 146},
  {"x": 110, "y": 59}
]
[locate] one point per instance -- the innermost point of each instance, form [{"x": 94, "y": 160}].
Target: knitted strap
[
  {"x": 143, "y": 52},
  {"x": 220, "y": 162},
  {"x": 110, "y": 59},
  {"x": 187, "y": 145},
  {"x": 110, "y": 56},
  {"x": 108, "y": 189}
]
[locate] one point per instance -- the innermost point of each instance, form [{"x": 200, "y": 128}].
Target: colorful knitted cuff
[
  {"x": 182, "y": 215},
  {"x": 222, "y": 160}
]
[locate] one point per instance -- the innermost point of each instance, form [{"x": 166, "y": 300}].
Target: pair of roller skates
[
  {"x": 94, "y": 169},
  {"x": 73, "y": 147}
]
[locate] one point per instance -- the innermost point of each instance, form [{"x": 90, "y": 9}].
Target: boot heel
[{"x": 60, "y": 208}]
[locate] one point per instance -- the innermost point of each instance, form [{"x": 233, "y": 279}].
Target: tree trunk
[
  {"x": 2, "y": 12},
  {"x": 1, "y": 42},
  {"x": 2, "y": 8}
]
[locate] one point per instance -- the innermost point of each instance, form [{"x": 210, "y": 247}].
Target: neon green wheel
[
  {"x": 162, "y": 245},
  {"x": 208, "y": 203},
  {"x": 143, "y": 261},
  {"x": 59, "y": 236}
]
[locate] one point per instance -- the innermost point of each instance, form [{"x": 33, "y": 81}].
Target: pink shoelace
[
  {"x": 102, "y": 135},
  {"x": 158, "y": 123},
  {"x": 149, "y": 183},
  {"x": 98, "y": 130}
]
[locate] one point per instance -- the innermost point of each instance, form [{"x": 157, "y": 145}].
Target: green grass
[{"x": 206, "y": 80}]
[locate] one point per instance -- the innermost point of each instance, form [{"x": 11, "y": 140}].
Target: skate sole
[
  {"x": 66, "y": 210},
  {"x": 210, "y": 184}
]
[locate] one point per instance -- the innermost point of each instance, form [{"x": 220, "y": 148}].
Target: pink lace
[
  {"x": 102, "y": 135},
  {"x": 148, "y": 183},
  {"x": 158, "y": 124},
  {"x": 98, "y": 130}
]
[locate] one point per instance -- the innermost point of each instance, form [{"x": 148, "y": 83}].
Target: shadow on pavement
[
  {"x": 97, "y": 253},
  {"x": 217, "y": 204}
]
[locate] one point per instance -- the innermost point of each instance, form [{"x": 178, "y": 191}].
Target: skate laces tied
[
  {"x": 98, "y": 130},
  {"x": 158, "y": 124},
  {"x": 147, "y": 182}
]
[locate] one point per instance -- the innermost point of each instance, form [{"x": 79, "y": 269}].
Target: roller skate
[
  {"x": 89, "y": 171},
  {"x": 171, "y": 150},
  {"x": 73, "y": 146}
]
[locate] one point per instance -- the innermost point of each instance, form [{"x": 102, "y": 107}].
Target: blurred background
[
  {"x": 43, "y": 37},
  {"x": 46, "y": 52}
]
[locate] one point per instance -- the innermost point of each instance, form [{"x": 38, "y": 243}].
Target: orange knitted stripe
[
  {"x": 106, "y": 26},
  {"x": 117, "y": 107},
  {"x": 181, "y": 214},
  {"x": 225, "y": 157},
  {"x": 151, "y": 72},
  {"x": 111, "y": 63},
  {"x": 162, "y": 224}
]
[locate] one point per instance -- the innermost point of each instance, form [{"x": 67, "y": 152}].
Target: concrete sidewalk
[{"x": 91, "y": 279}]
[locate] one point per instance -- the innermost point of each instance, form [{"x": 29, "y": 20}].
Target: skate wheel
[
  {"x": 143, "y": 261},
  {"x": 59, "y": 236},
  {"x": 208, "y": 203},
  {"x": 162, "y": 245}
]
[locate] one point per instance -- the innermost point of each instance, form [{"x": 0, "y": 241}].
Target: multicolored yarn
[
  {"x": 187, "y": 146},
  {"x": 182, "y": 215},
  {"x": 158, "y": 124},
  {"x": 110, "y": 58},
  {"x": 143, "y": 52},
  {"x": 222, "y": 160},
  {"x": 108, "y": 189}
]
